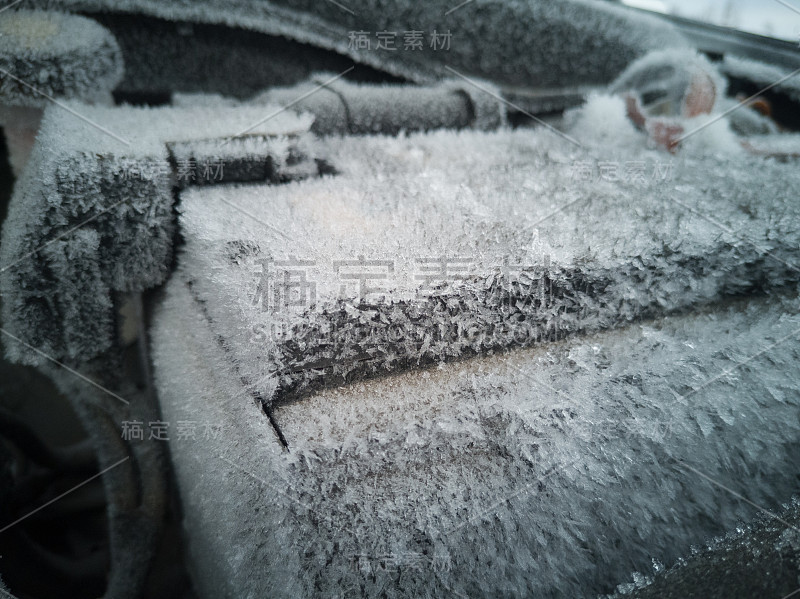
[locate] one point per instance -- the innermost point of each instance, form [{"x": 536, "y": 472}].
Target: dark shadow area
[
  {"x": 63, "y": 549},
  {"x": 162, "y": 57}
]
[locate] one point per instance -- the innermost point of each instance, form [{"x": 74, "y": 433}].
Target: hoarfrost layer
[
  {"x": 547, "y": 472},
  {"x": 430, "y": 247},
  {"x": 56, "y": 55},
  {"x": 93, "y": 215}
]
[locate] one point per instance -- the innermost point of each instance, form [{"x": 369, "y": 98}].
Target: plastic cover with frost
[
  {"x": 540, "y": 43},
  {"x": 433, "y": 247}
]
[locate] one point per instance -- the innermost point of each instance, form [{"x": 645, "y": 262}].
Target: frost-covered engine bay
[{"x": 517, "y": 317}]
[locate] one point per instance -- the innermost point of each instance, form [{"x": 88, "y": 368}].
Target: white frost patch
[
  {"x": 603, "y": 122},
  {"x": 712, "y": 135}
]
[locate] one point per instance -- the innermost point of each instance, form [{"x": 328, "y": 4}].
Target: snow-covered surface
[
  {"x": 536, "y": 43},
  {"x": 556, "y": 470},
  {"x": 549, "y": 472},
  {"x": 143, "y": 132},
  {"x": 108, "y": 170},
  {"x": 787, "y": 144},
  {"x": 56, "y": 55},
  {"x": 467, "y": 242},
  {"x": 468, "y": 196}
]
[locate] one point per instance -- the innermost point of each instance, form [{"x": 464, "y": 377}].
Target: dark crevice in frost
[
  {"x": 485, "y": 319},
  {"x": 270, "y": 412}
]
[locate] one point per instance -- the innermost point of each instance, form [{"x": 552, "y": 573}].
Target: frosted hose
[{"x": 346, "y": 108}]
